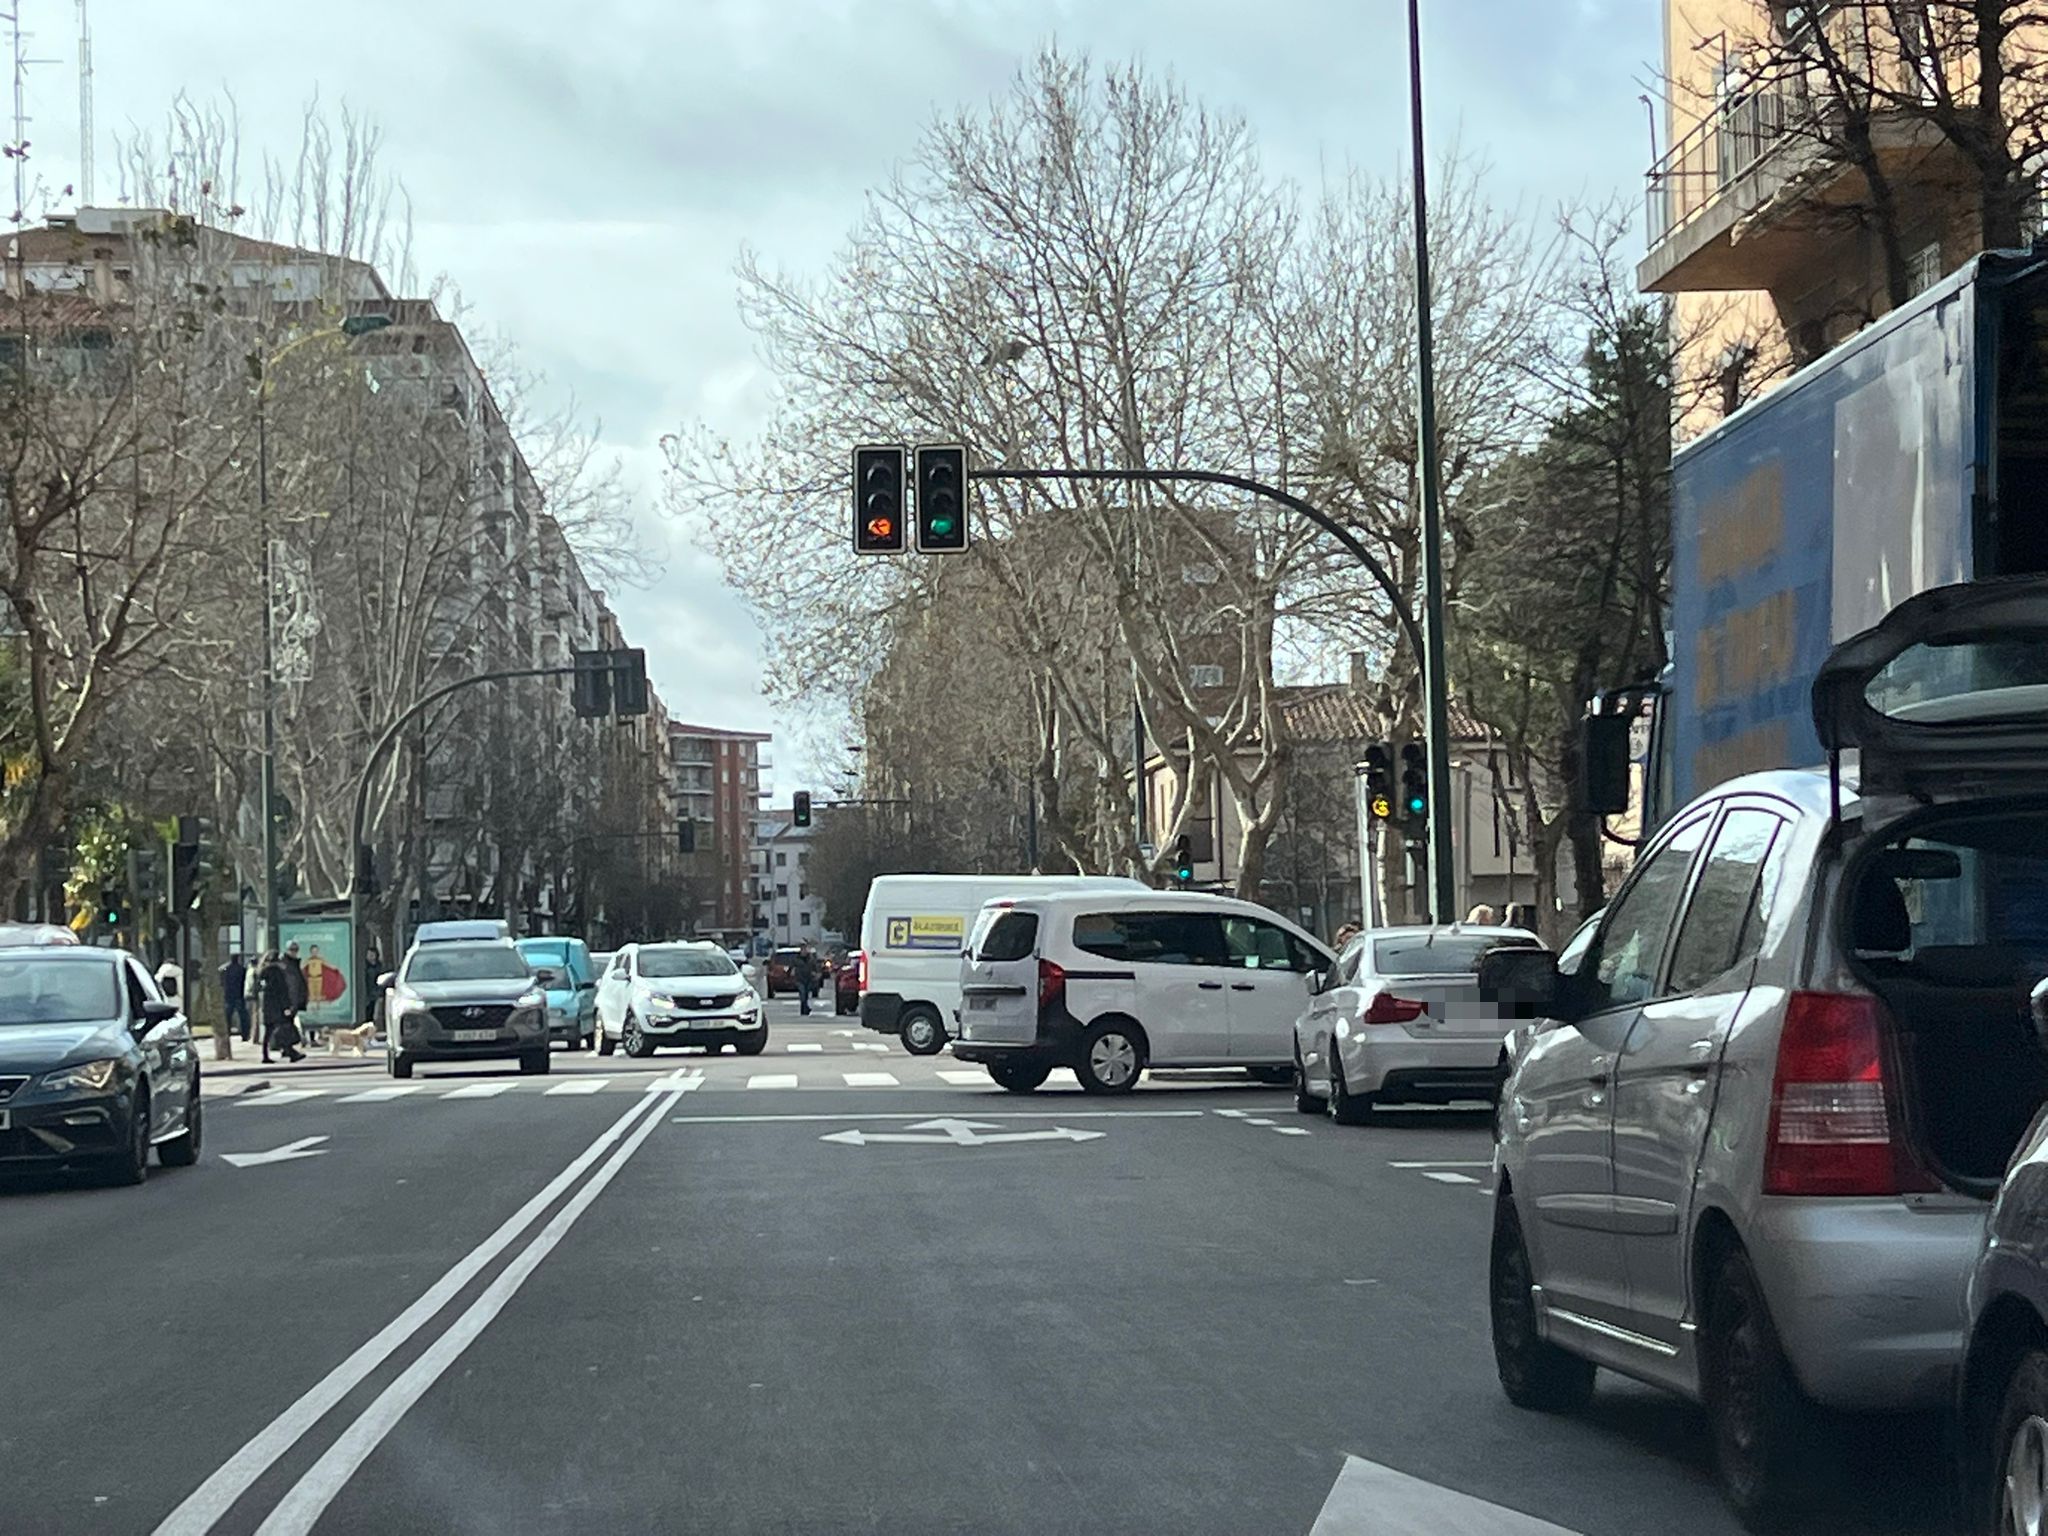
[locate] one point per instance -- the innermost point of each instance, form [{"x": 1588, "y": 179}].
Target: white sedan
[
  {"x": 1399, "y": 1018},
  {"x": 680, "y": 993}
]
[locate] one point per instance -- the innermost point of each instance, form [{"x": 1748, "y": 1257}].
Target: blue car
[{"x": 572, "y": 987}]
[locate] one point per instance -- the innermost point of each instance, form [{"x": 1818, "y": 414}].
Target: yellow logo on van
[{"x": 946, "y": 933}]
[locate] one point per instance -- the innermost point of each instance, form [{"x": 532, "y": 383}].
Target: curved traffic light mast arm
[{"x": 1321, "y": 519}]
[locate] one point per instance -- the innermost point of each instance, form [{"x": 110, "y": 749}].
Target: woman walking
[{"x": 274, "y": 989}]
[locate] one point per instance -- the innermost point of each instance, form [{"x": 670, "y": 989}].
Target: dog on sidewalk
[{"x": 357, "y": 1040}]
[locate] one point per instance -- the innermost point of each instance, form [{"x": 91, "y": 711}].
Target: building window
[
  {"x": 803, "y": 919},
  {"x": 782, "y": 890},
  {"x": 802, "y": 892},
  {"x": 1923, "y": 267},
  {"x": 1205, "y": 674},
  {"x": 781, "y": 859}
]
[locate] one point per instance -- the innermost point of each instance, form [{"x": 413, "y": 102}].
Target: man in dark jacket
[
  {"x": 234, "y": 984},
  {"x": 296, "y": 971},
  {"x": 274, "y": 993}
]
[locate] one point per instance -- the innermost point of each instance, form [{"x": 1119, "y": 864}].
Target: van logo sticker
[{"x": 946, "y": 932}]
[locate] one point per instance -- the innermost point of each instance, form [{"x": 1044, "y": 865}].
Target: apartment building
[
  {"x": 717, "y": 778},
  {"x": 786, "y": 909}
]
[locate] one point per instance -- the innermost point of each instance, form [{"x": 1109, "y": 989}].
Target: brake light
[
  {"x": 1385, "y": 1008},
  {"x": 1834, "y": 1118},
  {"x": 1052, "y": 983},
  {"x": 860, "y": 969}
]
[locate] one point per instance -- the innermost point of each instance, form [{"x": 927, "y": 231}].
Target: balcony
[{"x": 1754, "y": 198}]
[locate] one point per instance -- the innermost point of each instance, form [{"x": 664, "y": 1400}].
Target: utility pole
[
  {"x": 1436, "y": 695},
  {"x": 266, "y": 788}
]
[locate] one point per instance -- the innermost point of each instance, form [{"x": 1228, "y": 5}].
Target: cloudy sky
[{"x": 585, "y": 171}]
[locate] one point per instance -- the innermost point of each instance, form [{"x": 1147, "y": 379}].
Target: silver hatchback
[{"x": 1745, "y": 1151}]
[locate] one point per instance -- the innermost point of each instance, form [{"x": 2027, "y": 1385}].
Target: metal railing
[{"x": 1714, "y": 155}]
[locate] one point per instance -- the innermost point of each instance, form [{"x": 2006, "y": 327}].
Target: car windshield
[
  {"x": 482, "y": 963},
  {"x": 37, "y": 991},
  {"x": 674, "y": 960},
  {"x": 1437, "y": 954}
]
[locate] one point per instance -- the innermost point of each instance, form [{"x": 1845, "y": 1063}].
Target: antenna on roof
[
  {"x": 17, "y": 148},
  {"x": 85, "y": 127}
]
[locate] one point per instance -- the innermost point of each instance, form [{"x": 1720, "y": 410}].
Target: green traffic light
[
  {"x": 1416, "y": 805},
  {"x": 942, "y": 525}
]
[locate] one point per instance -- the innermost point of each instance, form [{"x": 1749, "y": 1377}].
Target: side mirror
[
  {"x": 2038, "y": 1005},
  {"x": 386, "y": 979},
  {"x": 1317, "y": 980},
  {"x": 1522, "y": 981},
  {"x": 155, "y": 1012}
]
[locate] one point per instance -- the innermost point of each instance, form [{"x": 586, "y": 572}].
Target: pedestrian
[
  {"x": 274, "y": 987},
  {"x": 806, "y": 977},
  {"x": 1345, "y": 935},
  {"x": 234, "y": 1001},
  {"x": 1481, "y": 914},
  {"x": 296, "y": 972},
  {"x": 252, "y": 999},
  {"x": 1521, "y": 914}
]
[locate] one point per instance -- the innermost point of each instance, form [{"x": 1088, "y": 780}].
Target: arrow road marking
[
  {"x": 291, "y": 1151},
  {"x": 957, "y": 1133},
  {"x": 1371, "y": 1500}
]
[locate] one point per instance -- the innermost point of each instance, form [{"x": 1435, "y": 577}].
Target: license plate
[
  {"x": 470, "y": 1036},
  {"x": 981, "y": 1002}
]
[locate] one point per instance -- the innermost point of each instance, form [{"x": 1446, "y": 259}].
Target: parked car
[
  {"x": 1112, "y": 982},
  {"x": 678, "y": 993},
  {"x": 782, "y": 970},
  {"x": 1399, "y": 1018},
  {"x": 2002, "y": 1391},
  {"x": 96, "y": 1065},
  {"x": 571, "y": 979},
  {"x": 461, "y": 998},
  {"x": 846, "y": 984},
  {"x": 913, "y": 932},
  {"x": 1748, "y": 1152}
]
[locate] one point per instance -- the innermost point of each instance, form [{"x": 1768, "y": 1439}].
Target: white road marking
[
  {"x": 964, "y": 1079},
  {"x": 1234, "y": 1114},
  {"x": 1371, "y": 1500},
  {"x": 958, "y": 1133},
  {"x": 478, "y": 1091},
  {"x": 291, "y": 1151},
  {"x": 1007, "y": 1114},
  {"x": 1439, "y": 1164},
  {"x": 380, "y": 1095},
  {"x": 869, "y": 1079},
  {"x": 1253, "y": 1120},
  {"x": 299, "y": 1510},
  {"x": 1448, "y": 1178},
  {"x": 772, "y": 1080},
  {"x": 1291, "y": 1130},
  {"x": 283, "y": 1096},
  {"x": 870, "y": 1045},
  {"x": 212, "y": 1499},
  {"x": 581, "y": 1085},
  {"x": 801, "y": 1046}
]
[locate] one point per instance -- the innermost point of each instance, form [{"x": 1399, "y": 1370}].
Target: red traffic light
[{"x": 878, "y": 500}]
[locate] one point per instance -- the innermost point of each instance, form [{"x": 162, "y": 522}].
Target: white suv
[{"x": 1112, "y": 982}]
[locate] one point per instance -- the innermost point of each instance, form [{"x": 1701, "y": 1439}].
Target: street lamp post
[{"x": 266, "y": 791}]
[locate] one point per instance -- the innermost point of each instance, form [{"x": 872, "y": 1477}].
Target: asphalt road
[{"x": 691, "y": 1295}]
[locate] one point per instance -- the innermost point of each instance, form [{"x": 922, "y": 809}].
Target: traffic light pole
[{"x": 360, "y": 814}]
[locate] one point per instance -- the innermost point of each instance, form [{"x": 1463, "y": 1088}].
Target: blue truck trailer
[{"x": 1913, "y": 455}]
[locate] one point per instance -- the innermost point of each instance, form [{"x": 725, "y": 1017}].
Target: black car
[
  {"x": 96, "y": 1065},
  {"x": 465, "y": 999}
]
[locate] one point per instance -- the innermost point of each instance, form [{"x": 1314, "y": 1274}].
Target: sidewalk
[{"x": 248, "y": 1060}]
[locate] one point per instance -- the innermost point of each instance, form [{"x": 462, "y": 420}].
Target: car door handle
[
  {"x": 1242, "y": 986},
  {"x": 1210, "y": 986}
]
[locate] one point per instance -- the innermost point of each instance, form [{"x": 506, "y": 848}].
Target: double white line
[{"x": 309, "y": 1497}]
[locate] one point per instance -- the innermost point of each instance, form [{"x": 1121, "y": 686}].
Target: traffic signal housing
[
  {"x": 1379, "y": 781},
  {"x": 629, "y": 682},
  {"x": 113, "y": 911},
  {"x": 880, "y": 525},
  {"x": 800, "y": 809},
  {"x": 1183, "y": 860},
  {"x": 942, "y": 499},
  {"x": 591, "y": 685},
  {"x": 1414, "y": 801}
]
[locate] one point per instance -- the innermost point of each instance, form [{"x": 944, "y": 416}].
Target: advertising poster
[{"x": 329, "y": 966}]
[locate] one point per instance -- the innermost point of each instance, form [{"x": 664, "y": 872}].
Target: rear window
[
  {"x": 1013, "y": 935},
  {"x": 1440, "y": 954}
]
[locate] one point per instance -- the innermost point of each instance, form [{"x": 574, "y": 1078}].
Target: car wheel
[
  {"x": 182, "y": 1150},
  {"x": 1111, "y": 1059},
  {"x": 1344, "y": 1106},
  {"x": 2014, "y": 1491},
  {"x": 1305, "y": 1101},
  {"x": 923, "y": 1034},
  {"x": 1534, "y": 1373},
  {"x": 1753, "y": 1405},
  {"x": 754, "y": 1044},
  {"x": 401, "y": 1065},
  {"x": 536, "y": 1063},
  {"x": 132, "y": 1166},
  {"x": 1019, "y": 1076},
  {"x": 637, "y": 1044},
  {"x": 605, "y": 1043}
]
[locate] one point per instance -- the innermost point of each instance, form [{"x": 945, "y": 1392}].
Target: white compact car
[
  {"x": 1400, "y": 1018},
  {"x": 1111, "y": 982},
  {"x": 653, "y": 995}
]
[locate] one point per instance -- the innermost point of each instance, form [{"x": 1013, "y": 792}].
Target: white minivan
[
  {"x": 1109, "y": 983},
  {"x": 911, "y": 936}
]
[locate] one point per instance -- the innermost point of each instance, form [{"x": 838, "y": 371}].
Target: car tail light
[
  {"x": 1052, "y": 983},
  {"x": 1385, "y": 1008},
  {"x": 860, "y": 969},
  {"x": 1835, "y": 1124}
]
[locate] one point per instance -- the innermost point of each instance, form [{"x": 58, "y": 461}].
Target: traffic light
[
  {"x": 1379, "y": 781},
  {"x": 1414, "y": 804},
  {"x": 629, "y": 682},
  {"x": 686, "y": 836},
  {"x": 145, "y": 876},
  {"x": 942, "y": 500},
  {"x": 112, "y": 911},
  {"x": 879, "y": 526},
  {"x": 591, "y": 685},
  {"x": 367, "y": 882},
  {"x": 1183, "y": 860},
  {"x": 800, "y": 809},
  {"x": 192, "y": 867}
]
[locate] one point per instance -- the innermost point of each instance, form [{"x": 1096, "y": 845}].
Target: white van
[{"x": 911, "y": 936}]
